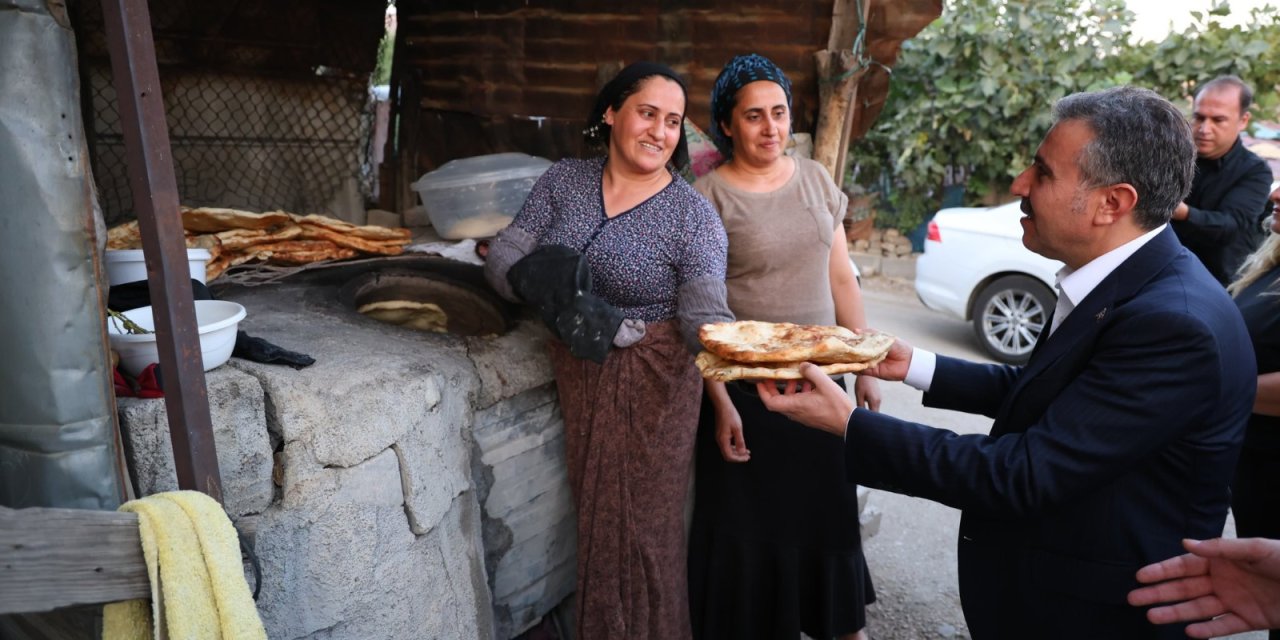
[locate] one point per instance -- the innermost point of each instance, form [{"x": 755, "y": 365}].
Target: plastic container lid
[{"x": 481, "y": 169}]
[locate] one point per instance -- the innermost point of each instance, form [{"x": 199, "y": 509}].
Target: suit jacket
[{"x": 1115, "y": 441}]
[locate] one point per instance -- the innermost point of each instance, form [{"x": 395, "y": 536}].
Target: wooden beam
[
  {"x": 53, "y": 558},
  {"x": 846, "y": 131},
  {"x": 838, "y": 74},
  {"x": 155, "y": 196}
]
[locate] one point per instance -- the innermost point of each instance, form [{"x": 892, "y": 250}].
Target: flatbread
[
  {"x": 713, "y": 367},
  {"x": 213, "y": 220},
  {"x": 307, "y": 257},
  {"x": 316, "y": 232},
  {"x": 215, "y": 267},
  {"x": 124, "y": 236},
  {"x": 751, "y": 341},
  {"x": 423, "y": 316},
  {"x": 239, "y": 239},
  {"x": 368, "y": 232}
]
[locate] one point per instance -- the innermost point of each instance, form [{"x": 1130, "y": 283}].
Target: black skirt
[{"x": 775, "y": 547}]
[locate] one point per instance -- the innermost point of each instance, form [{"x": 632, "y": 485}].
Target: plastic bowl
[
  {"x": 128, "y": 265},
  {"x": 217, "y": 320}
]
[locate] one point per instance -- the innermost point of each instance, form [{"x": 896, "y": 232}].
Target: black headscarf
[
  {"x": 740, "y": 72},
  {"x": 597, "y": 132}
]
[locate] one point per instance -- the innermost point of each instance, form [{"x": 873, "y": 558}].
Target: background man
[
  {"x": 1120, "y": 436},
  {"x": 1220, "y": 221}
]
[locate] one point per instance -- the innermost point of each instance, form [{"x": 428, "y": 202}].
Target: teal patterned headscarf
[{"x": 740, "y": 72}]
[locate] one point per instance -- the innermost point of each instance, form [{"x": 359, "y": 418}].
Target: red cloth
[{"x": 145, "y": 386}]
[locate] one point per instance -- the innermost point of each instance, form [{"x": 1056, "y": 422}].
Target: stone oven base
[{"x": 407, "y": 485}]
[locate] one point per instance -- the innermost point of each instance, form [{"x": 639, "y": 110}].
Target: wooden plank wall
[
  {"x": 500, "y": 76},
  {"x": 290, "y": 38}
]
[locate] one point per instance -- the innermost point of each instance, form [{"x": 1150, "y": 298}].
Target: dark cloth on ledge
[{"x": 259, "y": 350}]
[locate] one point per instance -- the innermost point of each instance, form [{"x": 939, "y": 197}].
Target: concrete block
[
  {"x": 511, "y": 364},
  {"x": 237, "y": 413},
  {"x": 529, "y": 530},
  {"x": 358, "y": 572}
]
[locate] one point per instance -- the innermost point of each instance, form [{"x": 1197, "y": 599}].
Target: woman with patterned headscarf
[
  {"x": 775, "y": 548},
  {"x": 624, "y": 261}
]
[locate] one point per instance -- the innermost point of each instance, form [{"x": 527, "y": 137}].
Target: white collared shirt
[{"x": 1075, "y": 285}]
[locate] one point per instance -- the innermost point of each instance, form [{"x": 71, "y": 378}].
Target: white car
[{"x": 975, "y": 268}]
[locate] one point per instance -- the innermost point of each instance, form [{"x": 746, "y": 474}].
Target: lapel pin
[{"x": 1101, "y": 314}]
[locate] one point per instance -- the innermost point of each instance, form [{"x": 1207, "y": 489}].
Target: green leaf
[
  {"x": 1255, "y": 48},
  {"x": 975, "y": 87}
]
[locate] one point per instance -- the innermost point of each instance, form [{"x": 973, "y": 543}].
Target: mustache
[{"x": 1026, "y": 207}]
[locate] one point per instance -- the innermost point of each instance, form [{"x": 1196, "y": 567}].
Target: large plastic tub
[{"x": 477, "y": 197}]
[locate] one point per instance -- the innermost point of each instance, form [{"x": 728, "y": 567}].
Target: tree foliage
[{"x": 971, "y": 95}]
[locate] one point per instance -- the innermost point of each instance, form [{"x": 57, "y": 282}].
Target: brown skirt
[{"x": 629, "y": 431}]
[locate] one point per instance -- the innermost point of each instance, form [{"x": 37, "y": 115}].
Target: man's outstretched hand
[
  {"x": 816, "y": 401},
  {"x": 895, "y": 364},
  {"x": 1232, "y": 585}
]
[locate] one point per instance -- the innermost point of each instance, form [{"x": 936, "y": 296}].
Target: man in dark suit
[
  {"x": 1119, "y": 438},
  {"x": 1220, "y": 222}
]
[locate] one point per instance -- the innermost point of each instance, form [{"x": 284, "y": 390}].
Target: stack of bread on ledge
[
  {"x": 752, "y": 350},
  {"x": 235, "y": 237}
]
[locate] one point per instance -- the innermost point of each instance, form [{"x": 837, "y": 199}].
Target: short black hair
[{"x": 1222, "y": 82}]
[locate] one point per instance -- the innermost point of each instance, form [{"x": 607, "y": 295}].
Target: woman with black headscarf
[
  {"x": 624, "y": 261},
  {"x": 775, "y": 548}
]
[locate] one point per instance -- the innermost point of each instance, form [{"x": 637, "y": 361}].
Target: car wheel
[{"x": 1008, "y": 316}]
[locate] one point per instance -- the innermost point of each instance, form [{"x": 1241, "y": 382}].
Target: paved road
[{"x": 912, "y": 558}]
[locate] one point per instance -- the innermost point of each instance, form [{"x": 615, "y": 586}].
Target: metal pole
[{"x": 155, "y": 197}]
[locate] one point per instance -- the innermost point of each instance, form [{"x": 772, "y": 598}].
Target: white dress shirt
[{"x": 1072, "y": 285}]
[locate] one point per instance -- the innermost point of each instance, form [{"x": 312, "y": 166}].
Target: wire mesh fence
[{"x": 254, "y": 123}]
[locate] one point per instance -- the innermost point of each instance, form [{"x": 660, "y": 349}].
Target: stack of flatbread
[
  {"x": 235, "y": 237},
  {"x": 752, "y": 350}
]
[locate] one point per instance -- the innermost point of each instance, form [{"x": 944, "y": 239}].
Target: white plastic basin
[
  {"x": 128, "y": 265},
  {"x": 217, "y": 320}
]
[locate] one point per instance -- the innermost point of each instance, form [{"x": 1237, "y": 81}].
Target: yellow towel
[{"x": 198, "y": 589}]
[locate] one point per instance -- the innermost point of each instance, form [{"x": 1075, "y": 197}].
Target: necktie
[{"x": 1061, "y": 311}]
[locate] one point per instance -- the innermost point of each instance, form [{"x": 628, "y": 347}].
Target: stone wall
[{"x": 405, "y": 486}]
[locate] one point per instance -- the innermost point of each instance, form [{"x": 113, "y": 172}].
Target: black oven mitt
[{"x": 555, "y": 280}]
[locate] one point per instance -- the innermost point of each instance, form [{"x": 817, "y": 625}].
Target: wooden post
[
  {"x": 846, "y": 132},
  {"x": 838, "y": 75},
  {"x": 155, "y": 197}
]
